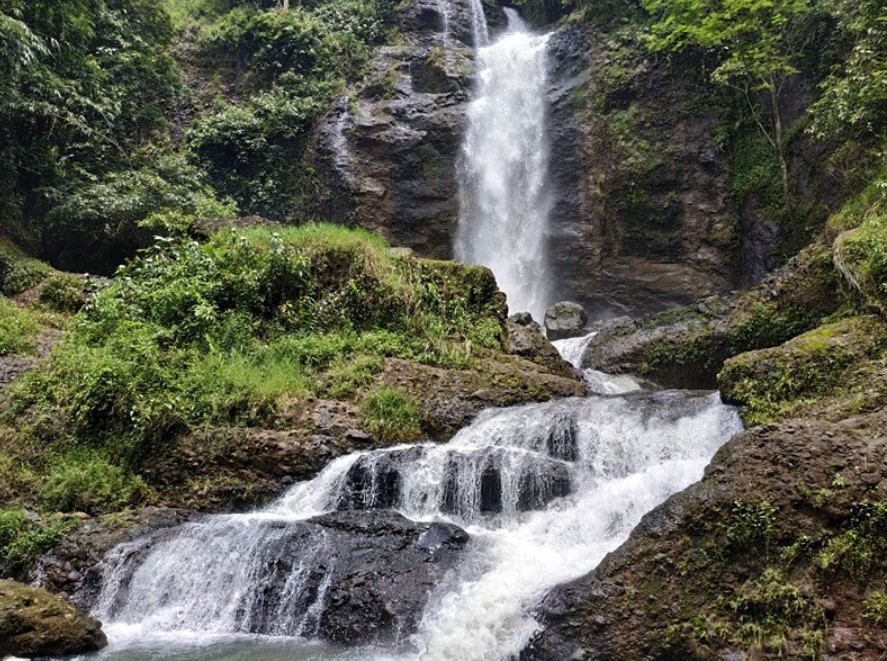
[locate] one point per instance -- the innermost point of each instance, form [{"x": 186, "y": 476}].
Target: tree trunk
[{"x": 779, "y": 143}]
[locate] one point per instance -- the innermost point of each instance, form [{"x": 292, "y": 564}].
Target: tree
[
  {"x": 757, "y": 52},
  {"x": 854, "y": 94}
]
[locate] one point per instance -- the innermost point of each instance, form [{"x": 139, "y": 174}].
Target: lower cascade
[{"x": 419, "y": 551}]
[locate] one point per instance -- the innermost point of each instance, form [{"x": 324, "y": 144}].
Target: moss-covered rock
[
  {"x": 860, "y": 256},
  {"x": 34, "y": 622},
  {"x": 299, "y": 343},
  {"x": 841, "y": 358},
  {"x": 686, "y": 347}
]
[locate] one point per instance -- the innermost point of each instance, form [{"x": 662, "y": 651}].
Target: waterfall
[
  {"x": 544, "y": 490},
  {"x": 502, "y": 169},
  {"x": 479, "y": 23},
  {"x": 572, "y": 350}
]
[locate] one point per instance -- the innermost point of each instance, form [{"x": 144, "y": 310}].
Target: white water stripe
[{"x": 503, "y": 215}]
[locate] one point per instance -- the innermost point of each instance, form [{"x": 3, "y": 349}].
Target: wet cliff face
[
  {"x": 641, "y": 210},
  {"x": 386, "y": 152}
]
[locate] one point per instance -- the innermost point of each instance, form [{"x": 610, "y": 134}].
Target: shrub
[
  {"x": 390, "y": 414},
  {"x": 91, "y": 485},
  {"x": 24, "y": 537},
  {"x": 19, "y": 272},
  {"x": 18, "y": 329},
  {"x": 120, "y": 212},
  {"x": 252, "y": 151},
  {"x": 63, "y": 292},
  {"x": 861, "y": 257}
]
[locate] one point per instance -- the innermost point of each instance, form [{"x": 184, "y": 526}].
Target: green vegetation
[
  {"x": 775, "y": 383},
  {"x": 122, "y": 118},
  {"x": 391, "y": 415},
  {"x": 875, "y": 607},
  {"x": 63, "y": 292},
  {"x": 18, "y": 272},
  {"x": 861, "y": 547},
  {"x": 861, "y": 258},
  {"x": 23, "y": 537},
  {"x": 768, "y": 325},
  {"x": 18, "y": 329},
  {"x": 234, "y": 331},
  {"x": 89, "y": 484},
  {"x": 750, "y": 525}
]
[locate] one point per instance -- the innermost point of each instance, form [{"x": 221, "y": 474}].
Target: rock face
[
  {"x": 387, "y": 151},
  {"x": 74, "y": 566},
  {"x": 385, "y": 568},
  {"x": 686, "y": 347},
  {"x": 778, "y": 553},
  {"x": 527, "y": 341},
  {"x": 621, "y": 241},
  {"x": 34, "y": 622},
  {"x": 348, "y": 577},
  {"x": 564, "y": 320},
  {"x": 641, "y": 216}
]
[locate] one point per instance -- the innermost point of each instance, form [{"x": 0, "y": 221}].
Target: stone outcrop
[
  {"x": 686, "y": 347},
  {"x": 641, "y": 218},
  {"x": 778, "y": 553},
  {"x": 74, "y": 566},
  {"x": 34, "y": 622},
  {"x": 365, "y": 575},
  {"x": 387, "y": 151}
]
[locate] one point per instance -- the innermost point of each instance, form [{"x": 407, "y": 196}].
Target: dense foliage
[
  {"x": 233, "y": 331},
  {"x": 121, "y": 114}
]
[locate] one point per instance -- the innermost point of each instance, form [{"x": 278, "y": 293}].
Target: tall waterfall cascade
[{"x": 503, "y": 215}]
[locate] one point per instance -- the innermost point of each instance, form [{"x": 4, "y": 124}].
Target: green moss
[
  {"x": 768, "y": 325},
  {"x": 694, "y": 355},
  {"x": 771, "y": 607},
  {"x": 875, "y": 607},
  {"x": 773, "y": 383},
  {"x": 861, "y": 258},
  {"x": 390, "y": 414},
  {"x": 639, "y": 154},
  {"x": 18, "y": 330}
]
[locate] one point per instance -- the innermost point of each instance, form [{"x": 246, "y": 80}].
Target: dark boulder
[
  {"x": 564, "y": 320},
  {"x": 383, "y": 567},
  {"x": 769, "y": 540}
]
